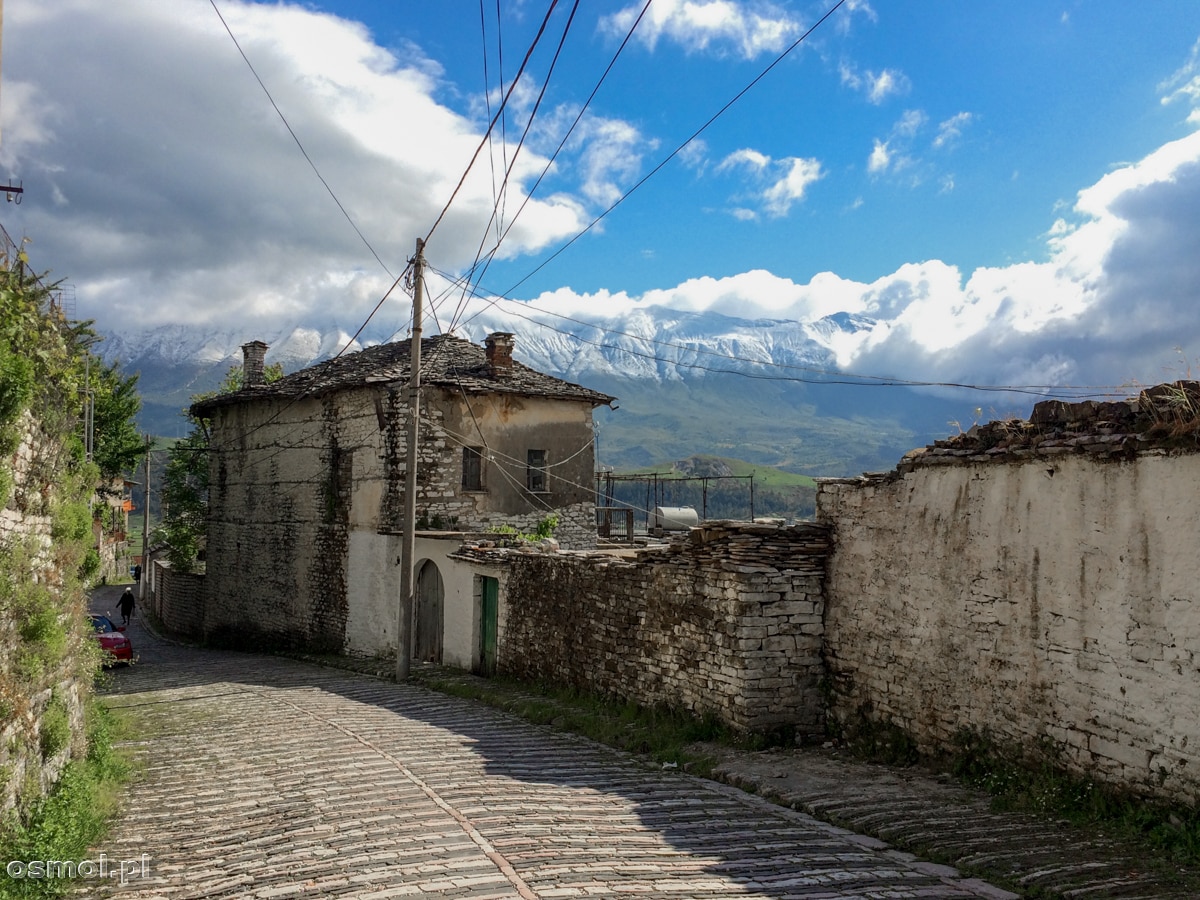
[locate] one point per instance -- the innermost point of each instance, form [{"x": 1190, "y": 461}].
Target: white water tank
[{"x": 673, "y": 518}]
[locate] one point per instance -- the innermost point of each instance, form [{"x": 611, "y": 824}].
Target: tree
[
  {"x": 117, "y": 445},
  {"x": 185, "y": 480}
]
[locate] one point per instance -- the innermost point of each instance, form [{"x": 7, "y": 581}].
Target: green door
[{"x": 487, "y": 626}]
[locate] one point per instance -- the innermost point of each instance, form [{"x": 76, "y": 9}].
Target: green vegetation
[
  {"x": 726, "y": 495},
  {"x": 46, "y": 373},
  {"x": 1038, "y": 782},
  {"x": 666, "y": 735},
  {"x": 543, "y": 530},
  {"x": 63, "y": 825},
  {"x": 185, "y": 481}
]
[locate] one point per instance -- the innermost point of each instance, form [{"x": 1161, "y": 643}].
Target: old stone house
[{"x": 307, "y": 482}]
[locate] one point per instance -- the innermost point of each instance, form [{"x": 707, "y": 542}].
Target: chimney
[
  {"x": 498, "y": 347},
  {"x": 253, "y": 357}
]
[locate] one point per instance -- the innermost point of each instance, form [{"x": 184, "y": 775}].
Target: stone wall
[
  {"x": 30, "y": 697},
  {"x": 1035, "y": 581},
  {"x": 299, "y": 487},
  {"x": 178, "y": 599},
  {"x": 726, "y": 621}
]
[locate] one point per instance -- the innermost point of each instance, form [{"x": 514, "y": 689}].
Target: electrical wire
[
  {"x": 296, "y": 138},
  {"x": 699, "y": 131},
  {"x": 511, "y": 164},
  {"x": 826, "y": 376},
  {"x": 550, "y": 162},
  {"x": 492, "y": 124}
]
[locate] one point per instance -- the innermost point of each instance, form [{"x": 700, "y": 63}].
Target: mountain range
[{"x": 687, "y": 383}]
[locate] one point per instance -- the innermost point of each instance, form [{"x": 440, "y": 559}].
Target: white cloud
[
  {"x": 1185, "y": 85},
  {"x": 951, "y": 129},
  {"x": 173, "y": 192},
  {"x": 1111, "y": 304},
  {"x": 876, "y": 86},
  {"x": 610, "y": 157},
  {"x": 775, "y": 184},
  {"x": 744, "y": 157},
  {"x": 750, "y": 29},
  {"x": 880, "y": 158}
]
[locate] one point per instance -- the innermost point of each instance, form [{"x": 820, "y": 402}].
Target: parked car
[{"x": 116, "y": 646}]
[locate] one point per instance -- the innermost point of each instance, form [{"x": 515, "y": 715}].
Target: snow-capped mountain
[{"x": 686, "y": 382}]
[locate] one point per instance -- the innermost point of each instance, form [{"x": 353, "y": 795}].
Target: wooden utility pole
[
  {"x": 145, "y": 527},
  {"x": 404, "y": 613}
]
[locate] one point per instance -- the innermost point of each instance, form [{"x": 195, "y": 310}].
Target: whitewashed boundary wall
[{"x": 1048, "y": 596}]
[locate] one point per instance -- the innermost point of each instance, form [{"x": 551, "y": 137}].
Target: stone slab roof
[
  {"x": 446, "y": 361},
  {"x": 1161, "y": 420}
]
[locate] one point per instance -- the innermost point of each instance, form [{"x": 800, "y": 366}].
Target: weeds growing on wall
[
  {"x": 662, "y": 733},
  {"x": 68, "y": 821},
  {"x": 47, "y": 480},
  {"x": 1038, "y": 782}
]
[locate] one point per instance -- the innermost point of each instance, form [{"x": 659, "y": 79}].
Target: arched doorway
[{"x": 427, "y": 642}]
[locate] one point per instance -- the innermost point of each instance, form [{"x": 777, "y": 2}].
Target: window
[
  {"x": 535, "y": 473},
  {"x": 472, "y": 476}
]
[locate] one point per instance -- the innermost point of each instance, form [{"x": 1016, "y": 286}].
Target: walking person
[{"x": 126, "y": 604}]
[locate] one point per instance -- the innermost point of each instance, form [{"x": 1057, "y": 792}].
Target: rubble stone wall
[
  {"x": 727, "y": 621},
  {"x": 1045, "y": 592},
  {"x": 179, "y": 600}
]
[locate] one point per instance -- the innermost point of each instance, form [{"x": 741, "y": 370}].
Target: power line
[
  {"x": 827, "y": 376},
  {"x": 554, "y": 156},
  {"x": 499, "y": 112},
  {"x": 511, "y": 164},
  {"x": 720, "y": 112},
  {"x": 295, "y": 138}
]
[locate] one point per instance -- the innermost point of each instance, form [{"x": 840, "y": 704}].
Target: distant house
[{"x": 307, "y": 481}]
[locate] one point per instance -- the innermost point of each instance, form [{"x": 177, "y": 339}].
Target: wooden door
[
  {"x": 429, "y": 614},
  {"x": 487, "y": 625}
]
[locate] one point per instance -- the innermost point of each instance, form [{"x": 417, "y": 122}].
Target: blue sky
[{"x": 998, "y": 185}]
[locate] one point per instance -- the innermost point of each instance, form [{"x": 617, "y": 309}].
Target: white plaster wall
[
  {"x": 461, "y": 625},
  {"x": 373, "y": 592},
  {"x": 1057, "y": 598},
  {"x": 373, "y": 587}
]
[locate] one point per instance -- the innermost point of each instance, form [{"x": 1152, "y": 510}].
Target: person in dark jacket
[{"x": 126, "y": 605}]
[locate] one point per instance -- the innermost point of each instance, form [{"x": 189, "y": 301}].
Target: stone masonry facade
[
  {"x": 1036, "y": 582},
  {"x": 727, "y": 622}
]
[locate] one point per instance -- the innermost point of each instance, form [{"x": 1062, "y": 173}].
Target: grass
[
  {"x": 662, "y": 734},
  {"x": 1170, "y": 834},
  {"x": 1041, "y": 785},
  {"x": 65, "y": 824}
]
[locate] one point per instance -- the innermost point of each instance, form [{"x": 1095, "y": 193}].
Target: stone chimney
[
  {"x": 254, "y": 355},
  {"x": 499, "y": 354}
]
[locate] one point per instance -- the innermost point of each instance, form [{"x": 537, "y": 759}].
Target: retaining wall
[
  {"x": 727, "y": 621},
  {"x": 178, "y": 599},
  {"x": 1047, "y": 594}
]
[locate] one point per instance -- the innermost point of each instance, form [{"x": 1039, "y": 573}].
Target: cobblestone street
[{"x": 265, "y": 777}]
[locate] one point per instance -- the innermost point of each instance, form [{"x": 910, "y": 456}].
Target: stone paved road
[{"x": 263, "y": 777}]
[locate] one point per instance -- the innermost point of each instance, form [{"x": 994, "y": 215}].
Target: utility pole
[
  {"x": 404, "y": 614},
  {"x": 145, "y": 528}
]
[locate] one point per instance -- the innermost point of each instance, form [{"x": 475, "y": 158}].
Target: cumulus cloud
[
  {"x": 876, "y": 86},
  {"x": 158, "y": 175},
  {"x": 776, "y": 185},
  {"x": 950, "y": 130},
  {"x": 716, "y": 26},
  {"x": 1108, "y": 307}
]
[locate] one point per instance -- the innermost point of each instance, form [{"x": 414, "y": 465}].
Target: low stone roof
[
  {"x": 446, "y": 361},
  {"x": 1164, "y": 419}
]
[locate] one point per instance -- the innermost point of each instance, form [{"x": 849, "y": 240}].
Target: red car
[{"x": 113, "y": 642}]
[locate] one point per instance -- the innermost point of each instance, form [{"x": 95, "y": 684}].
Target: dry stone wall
[
  {"x": 726, "y": 621},
  {"x": 35, "y": 704},
  {"x": 1035, "y": 581},
  {"x": 179, "y": 600}
]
